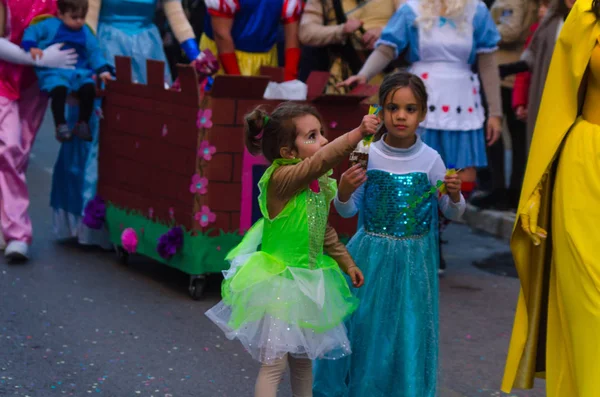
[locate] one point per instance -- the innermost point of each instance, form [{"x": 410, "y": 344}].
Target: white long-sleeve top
[{"x": 417, "y": 158}]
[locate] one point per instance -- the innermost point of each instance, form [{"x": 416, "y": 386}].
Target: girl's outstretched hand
[
  {"x": 351, "y": 180},
  {"x": 369, "y": 125},
  {"x": 356, "y": 276},
  {"x": 453, "y": 184},
  {"x": 358, "y": 79}
]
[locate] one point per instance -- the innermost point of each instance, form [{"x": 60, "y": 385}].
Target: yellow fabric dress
[
  {"x": 249, "y": 62},
  {"x": 556, "y": 333}
]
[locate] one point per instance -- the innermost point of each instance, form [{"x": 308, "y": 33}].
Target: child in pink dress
[{"x": 22, "y": 110}]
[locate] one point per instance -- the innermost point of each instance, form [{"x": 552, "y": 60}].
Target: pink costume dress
[{"x": 22, "y": 109}]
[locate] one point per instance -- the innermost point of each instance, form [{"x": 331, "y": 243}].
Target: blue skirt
[
  {"x": 139, "y": 45},
  {"x": 76, "y": 169},
  {"x": 394, "y": 332},
  {"x": 459, "y": 149}
]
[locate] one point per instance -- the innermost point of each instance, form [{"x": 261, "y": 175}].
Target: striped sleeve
[
  {"x": 291, "y": 11},
  {"x": 222, "y": 8}
]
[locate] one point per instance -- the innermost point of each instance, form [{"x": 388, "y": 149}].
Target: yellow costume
[
  {"x": 249, "y": 62},
  {"x": 557, "y": 322}
]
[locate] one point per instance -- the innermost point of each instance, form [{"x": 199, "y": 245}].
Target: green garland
[{"x": 200, "y": 254}]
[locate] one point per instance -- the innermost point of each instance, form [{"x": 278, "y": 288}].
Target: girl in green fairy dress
[{"x": 283, "y": 298}]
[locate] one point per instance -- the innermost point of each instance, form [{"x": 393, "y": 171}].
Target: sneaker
[
  {"x": 17, "y": 251},
  {"x": 2, "y": 243},
  {"x": 442, "y": 267},
  {"x": 82, "y": 131},
  {"x": 63, "y": 133}
]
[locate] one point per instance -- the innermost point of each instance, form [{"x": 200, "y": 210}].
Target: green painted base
[{"x": 200, "y": 254}]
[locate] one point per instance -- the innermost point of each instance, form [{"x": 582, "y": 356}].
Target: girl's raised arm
[{"x": 288, "y": 180}]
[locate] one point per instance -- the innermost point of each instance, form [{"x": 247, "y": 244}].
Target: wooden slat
[
  {"x": 159, "y": 94},
  {"x": 340, "y": 100},
  {"x": 240, "y": 87},
  {"x": 123, "y": 66},
  {"x": 188, "y": 80},
  {"x": 131, "y": 175},
  {"x": 275, "y": 74},
  {"x": 150, "y": 152},
  {"x": 179, "y": 133},
  {"x": 152, "y": 106},
  {"x": 316, "y": 82},
  {"x": 156, "y": 74}
]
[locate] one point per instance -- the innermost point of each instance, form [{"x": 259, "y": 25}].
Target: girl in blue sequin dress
[{"x": 394, "y": 332}]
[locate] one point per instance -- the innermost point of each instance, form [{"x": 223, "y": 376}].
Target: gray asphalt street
[{"x": 75, "y": 322}]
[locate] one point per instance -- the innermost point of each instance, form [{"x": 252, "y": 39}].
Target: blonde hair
[{"x": 431, "y": 10}]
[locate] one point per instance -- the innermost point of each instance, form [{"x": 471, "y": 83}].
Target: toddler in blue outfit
[{"x": 69, "y": 28}]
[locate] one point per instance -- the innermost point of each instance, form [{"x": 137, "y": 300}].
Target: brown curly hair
[{"x": 267, "y": 133}]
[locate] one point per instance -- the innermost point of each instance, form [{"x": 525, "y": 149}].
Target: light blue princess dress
[
  {"x": 125, "y": 27},
  {"x": 394, "y": 332}
]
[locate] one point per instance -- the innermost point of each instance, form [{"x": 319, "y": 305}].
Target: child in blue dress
[
  {"x": 394, "y": 332},
  {"x": 69, "y": 28},
  {"x": 443, "y": 40}
]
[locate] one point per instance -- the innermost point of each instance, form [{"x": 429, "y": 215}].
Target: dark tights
[{"x": 86, "y": 95}]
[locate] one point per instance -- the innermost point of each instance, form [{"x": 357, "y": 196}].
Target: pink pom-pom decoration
[{"x": 129, "y": 240}]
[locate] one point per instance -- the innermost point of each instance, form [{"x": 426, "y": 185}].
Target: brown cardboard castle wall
[{"x": 149, "y": 141}]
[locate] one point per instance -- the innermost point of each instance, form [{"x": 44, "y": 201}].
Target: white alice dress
[{"x": 443, "y": 56}]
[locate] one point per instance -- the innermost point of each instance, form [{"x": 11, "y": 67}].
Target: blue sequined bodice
[{"x": 392, "y": 206}]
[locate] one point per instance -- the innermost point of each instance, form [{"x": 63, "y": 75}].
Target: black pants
[
  {"x": 86, "y": 95},
  {"x": 518, "y": 131}
]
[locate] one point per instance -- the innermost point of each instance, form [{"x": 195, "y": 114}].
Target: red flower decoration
[
  {"x": 446, "y": 108},
  {"x": 424, "y": 76}
]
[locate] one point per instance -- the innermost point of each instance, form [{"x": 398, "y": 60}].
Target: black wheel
[
  {"x": 122, "y": 255},
  {"x": 197, "y": 288}
]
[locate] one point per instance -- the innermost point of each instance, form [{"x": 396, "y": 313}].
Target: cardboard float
[{"x": 176, "y": 160}]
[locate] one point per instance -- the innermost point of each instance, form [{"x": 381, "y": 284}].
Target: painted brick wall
[{"x": 149, "y": 143}]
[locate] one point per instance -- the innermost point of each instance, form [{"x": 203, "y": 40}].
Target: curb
[{"x": 496, "y": 223}]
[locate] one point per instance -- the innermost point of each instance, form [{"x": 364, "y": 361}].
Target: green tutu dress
[{"x": 282, "y": 295}]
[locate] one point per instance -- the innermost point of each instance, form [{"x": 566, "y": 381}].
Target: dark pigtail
[{"x": 254, "y": 125}]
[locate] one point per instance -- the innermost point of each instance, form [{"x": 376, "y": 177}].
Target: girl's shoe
[
  {"x": 63, "y": 133},
  {"x": 82, "y": 131},
  {"x": 442, "y": 269},
  {"x": 17, "y": 251}
]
